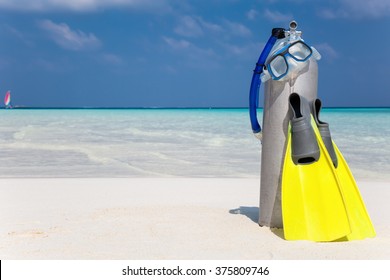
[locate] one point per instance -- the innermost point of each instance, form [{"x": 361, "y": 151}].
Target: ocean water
[{"x": 169, "y": 142}]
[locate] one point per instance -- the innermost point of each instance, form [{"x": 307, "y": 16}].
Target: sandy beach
[{"x": 162, "y": 219}]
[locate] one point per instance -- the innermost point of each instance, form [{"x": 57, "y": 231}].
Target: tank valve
[
  {"x": 293, "y": 33},
  {"x": 293, "y": 25}
]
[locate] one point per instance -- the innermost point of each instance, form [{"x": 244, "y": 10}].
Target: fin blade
[
  {"x": 306, "y": 193},
  {"x": 360, "y": 222}
]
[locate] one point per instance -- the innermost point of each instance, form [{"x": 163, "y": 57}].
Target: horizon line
[{"x": 165, "y": 108}]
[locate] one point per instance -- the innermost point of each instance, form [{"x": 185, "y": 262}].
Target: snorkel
[
  {"x": 277, "y": 33},
  {"x": 282, "y": 59}
]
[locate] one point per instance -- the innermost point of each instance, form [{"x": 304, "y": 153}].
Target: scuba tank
[{"x": 288, "y": 74}]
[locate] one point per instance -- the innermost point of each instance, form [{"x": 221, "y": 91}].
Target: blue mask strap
[{"x": 277, "y": 33}]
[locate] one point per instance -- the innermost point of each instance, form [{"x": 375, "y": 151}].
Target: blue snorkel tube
[{"x": 277, "y": 33}]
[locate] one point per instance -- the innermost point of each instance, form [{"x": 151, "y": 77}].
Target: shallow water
[{"x": 169, "y": 142}]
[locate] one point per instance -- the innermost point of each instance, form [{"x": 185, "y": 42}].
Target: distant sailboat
[{"x": 7, "y": 100}]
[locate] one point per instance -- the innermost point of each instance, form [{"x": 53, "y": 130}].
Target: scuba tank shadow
[
  {"x": 278, "y": 232},
  {"x": 252, "y": 213}
]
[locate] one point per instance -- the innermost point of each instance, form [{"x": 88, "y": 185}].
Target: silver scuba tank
[{"x": 275, "y": 123}]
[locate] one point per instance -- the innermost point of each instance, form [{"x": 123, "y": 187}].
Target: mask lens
[
  {"x": 278, "y": 66},
  {"x": 300, "y": 51}
]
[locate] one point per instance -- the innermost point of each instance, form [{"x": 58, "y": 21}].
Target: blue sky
[{"x": 168, "y": 53}]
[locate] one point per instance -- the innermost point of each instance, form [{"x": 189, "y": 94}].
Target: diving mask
[{"x": 288, "y": 60}]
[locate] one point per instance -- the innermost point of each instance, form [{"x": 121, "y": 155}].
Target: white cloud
[
  {"x": 112, "y": 58},
  {"x": 177, "y": 44},
  {"x": 327, "y": 13},
  {"x": 69, "y": 39},
  {"x": 209, "y": 26},
  {"x": 18, "y": 34},
  {"x": 46, "y": 64},
  {"x": 189, "y": 27},
  {"x": 357, "y": 9},
  {"x": 252, "y": 14},
  {"x": 191, "y": 54},
  {"x": 237, "y": 29},
  {"x": 244, "y": 50},
  {"x": 80, "y": 5},
  {"x": 195, "y": 26},
  {"x": 276, "y": 16},
  {"x": 189, "y": 48},
  {"x": 327, "y": 51}
]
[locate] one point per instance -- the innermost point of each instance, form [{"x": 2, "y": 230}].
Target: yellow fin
[
  {"x": 312, "y": 204},
  {"x": 359, "y": 220}
]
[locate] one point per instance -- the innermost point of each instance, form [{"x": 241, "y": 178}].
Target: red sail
[{"x": 7, "y": 98}]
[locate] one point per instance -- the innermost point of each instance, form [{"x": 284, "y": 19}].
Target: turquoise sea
[{"x": 169, "y": 142}]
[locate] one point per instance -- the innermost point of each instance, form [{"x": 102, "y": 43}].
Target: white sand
[{"x": 162, "y": 219}]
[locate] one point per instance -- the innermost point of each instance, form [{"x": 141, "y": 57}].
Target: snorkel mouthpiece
[{"x": 278, "y": 33}]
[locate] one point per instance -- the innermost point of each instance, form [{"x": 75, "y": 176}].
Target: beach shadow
[
  {"x": 278, "y": 232},
  {"x": 251, "y": 212}
]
